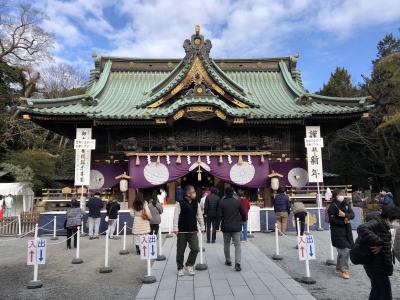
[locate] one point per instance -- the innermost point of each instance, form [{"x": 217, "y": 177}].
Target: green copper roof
[{"x": 271, "y": 93}]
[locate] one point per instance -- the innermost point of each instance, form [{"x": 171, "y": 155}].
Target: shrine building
[{"x": 196, "y": 120}]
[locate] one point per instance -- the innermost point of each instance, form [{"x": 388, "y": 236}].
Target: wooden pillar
[
  {"x": 267, "y": 197},
  {"x": 171, "y": 192},
  {"x": 131, "y": 197}
]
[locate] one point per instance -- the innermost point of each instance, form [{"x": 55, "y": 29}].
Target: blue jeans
[
  {"x": 243, "y": 233},
  {"x": 8, "y": 212}
]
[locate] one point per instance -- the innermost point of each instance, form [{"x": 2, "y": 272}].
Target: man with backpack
[{"x": 375, "y": 244}]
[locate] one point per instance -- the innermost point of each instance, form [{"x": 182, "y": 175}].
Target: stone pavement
[{"x": 260, "y": 278}]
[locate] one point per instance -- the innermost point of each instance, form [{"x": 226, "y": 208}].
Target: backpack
[{"x": 361, "y": 253}]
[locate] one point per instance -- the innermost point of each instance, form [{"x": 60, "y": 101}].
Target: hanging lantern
[
  {"x": 240, "y": 161},
  {"x": 137, "y": 160},
  {"x": 275, "y": 180},
  {"x": 178, "y": 159},
  {"x": 123, "y": 184}
]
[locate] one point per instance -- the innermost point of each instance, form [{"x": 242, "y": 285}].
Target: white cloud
[{"x": 157, "y": 28}]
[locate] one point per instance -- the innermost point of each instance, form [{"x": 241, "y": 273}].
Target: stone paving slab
[{"x": 260, "y": 277}]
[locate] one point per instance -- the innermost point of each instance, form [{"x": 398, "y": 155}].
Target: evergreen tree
[{"x": 339, "y": 84}]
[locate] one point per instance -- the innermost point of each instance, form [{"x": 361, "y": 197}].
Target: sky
[{"x": 326, "y": 33}]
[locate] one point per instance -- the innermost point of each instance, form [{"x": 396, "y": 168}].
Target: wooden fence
[{"x": 10, "y": 226}]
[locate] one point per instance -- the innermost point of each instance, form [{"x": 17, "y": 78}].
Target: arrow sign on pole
[
  {"x": 41, "y": 252},
  {"x": 31, "y": 252}
]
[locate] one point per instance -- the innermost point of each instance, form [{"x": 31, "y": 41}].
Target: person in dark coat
[
  {"x": 282, "y": 210},
  {"x": 112, "y": 208},
  {"x": 232, "y": 214},
  {"x": 95, "y": 204},
  {"x": 340, "y": 213},
  {"x": 211, "y": 214},
  {"x": 376, "y": 234}
]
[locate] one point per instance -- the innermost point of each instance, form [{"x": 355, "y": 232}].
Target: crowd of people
[
  {"x": 378, "y": 241},
  {"x": 209, "y": 212}
]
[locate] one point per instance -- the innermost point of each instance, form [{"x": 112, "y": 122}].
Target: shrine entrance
[{"x": 192, "y": 178}]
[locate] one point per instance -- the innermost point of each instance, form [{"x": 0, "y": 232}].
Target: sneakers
[
  {"x": 238, "y": 268},
  {"x": 346, "y": 275},
  {"x": 181, "y": 273},
  {"x": 189, "y": 270},
  {"x": 228, "y": 263}
]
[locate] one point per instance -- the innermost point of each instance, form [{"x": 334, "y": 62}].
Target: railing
[{"x": 10, "y": 226}]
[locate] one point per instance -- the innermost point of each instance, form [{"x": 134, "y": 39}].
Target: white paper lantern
[
  {"x": 123, "y": 185},
  {"x": 275, "y": 183}
]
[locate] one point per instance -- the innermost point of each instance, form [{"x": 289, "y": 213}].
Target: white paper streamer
[
  {"x": 168, "y": 160},
  {"x": 208, "y": 160},
  {"x": 188, "y": 160},
  {"x": 249, "y": 159},
  {"x": 148, "y": 159},
  {"x": 229, "y": 159}
]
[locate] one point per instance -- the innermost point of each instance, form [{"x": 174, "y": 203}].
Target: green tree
[
  {"x": 371, "y": 147},
  {"x": 339, "y": 84},
  {"x": 24, "y": 175},
  {"x": 39, "y": 161}
]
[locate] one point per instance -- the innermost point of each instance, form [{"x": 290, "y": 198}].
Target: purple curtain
[
  {"x": 109, "y": 171},
  {"x": 251, "y": 173}
]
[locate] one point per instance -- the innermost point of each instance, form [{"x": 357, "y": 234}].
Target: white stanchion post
[
  {"x": 118, "y": 226},
  {"x": 148, "y": 278},
  {"x": 169, "y": 235},
  {"x": 124, "y": 250},
  {"x": 160, "y": 255},
  {"x": 331, "y": 260},
  {"x": 77, "y": 260},
  {"x": 308, "y": 222},
  {"x": 82, "y": 231},
  {"x": 106, "y": 268},
  {"x": 298, "y": 227},
  {"x": 319, "y": 202},
  {"x": 35, "y": 283},
  {"x": 54, "y": 237},
  {"x": 277, "y": 256},
  {"x": 201, "y": 266},
  {"x": 267, "y": 230},
  {"x": 19, "y": 225},
  {"x": 307, "y": 279},
  {"x": 249, "y": 223}
]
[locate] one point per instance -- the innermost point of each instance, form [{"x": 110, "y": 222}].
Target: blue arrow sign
[
  {"x": 311, "y": 253},
  {"x": 41, "y": 255}
]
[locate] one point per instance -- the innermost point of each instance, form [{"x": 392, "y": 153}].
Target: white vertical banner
[
  {"x": 314, "y": 156},
  {"x": 82, "y": 158}
]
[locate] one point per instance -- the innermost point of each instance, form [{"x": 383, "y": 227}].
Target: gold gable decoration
[{"x": 197, "y": 75}]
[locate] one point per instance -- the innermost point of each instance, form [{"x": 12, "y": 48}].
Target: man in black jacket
[
  {"x": 211, "y": 213},
  {"x": 186, "y": 216},
  {"x": 95, "y": 205},
  {"x": 376, "y": 234},
  {"x": 231, "y": 213}
]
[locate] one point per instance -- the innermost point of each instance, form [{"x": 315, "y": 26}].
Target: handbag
[
  {"x": 361, "y": 253},
  {"x": 144, "y": 215}
]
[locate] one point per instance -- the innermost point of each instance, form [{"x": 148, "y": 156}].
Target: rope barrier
[
  {"x": 13, "y": 239},
  {"x": 60, "y": 242},
  {"x": 52, "y": 230},
  {"x": 12, "y": 222},
  {"x": 287, "y": 237}
]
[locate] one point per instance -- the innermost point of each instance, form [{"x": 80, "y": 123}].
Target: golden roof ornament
[{"x": 197, "y": 29}]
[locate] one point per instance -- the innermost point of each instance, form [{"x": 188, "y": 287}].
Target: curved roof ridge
[{"x": 97, "y": 87}]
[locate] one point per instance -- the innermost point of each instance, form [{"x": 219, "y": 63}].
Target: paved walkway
[{"x": 260, "y": 278}]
